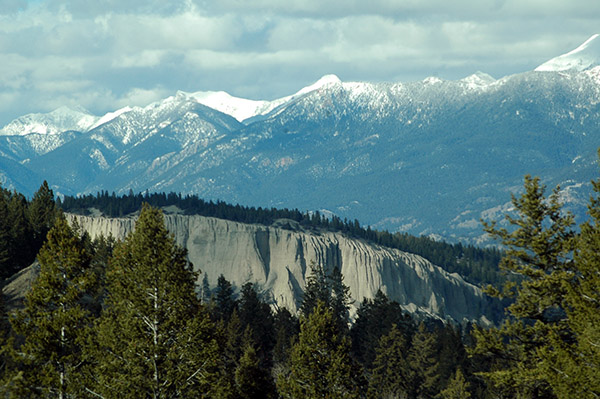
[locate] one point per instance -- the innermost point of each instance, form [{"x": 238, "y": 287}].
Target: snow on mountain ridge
[
  {"x": 325, "y": 81},
  {"x": 584, "y": 58},
  {"x": 580, "y": 59},
  {"x": 478, "y": 80},
  {"x": 239, "y": 108},
  {"x": 57, "y": 121},
  {"x": 243, "y": 109},
  {"x": 109, "y": 116}
]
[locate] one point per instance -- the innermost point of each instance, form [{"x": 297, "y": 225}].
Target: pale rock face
[{"x": 278, "y": 260}]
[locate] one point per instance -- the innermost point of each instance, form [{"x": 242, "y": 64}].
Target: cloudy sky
[{"x": 105, "y": 54}]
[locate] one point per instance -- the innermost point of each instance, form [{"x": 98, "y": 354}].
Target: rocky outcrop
[
  {"x": 14, "y": 288},
  {"x": 277, "y": 258}
]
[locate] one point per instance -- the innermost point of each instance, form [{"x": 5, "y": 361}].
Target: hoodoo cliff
[{"x": 278, "y": 259}]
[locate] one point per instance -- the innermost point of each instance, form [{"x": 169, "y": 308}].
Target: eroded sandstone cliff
[{"x": 277, "y": 258}]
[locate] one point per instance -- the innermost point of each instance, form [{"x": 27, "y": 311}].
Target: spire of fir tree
[
  {"x": 54, "y": 318},
  {"x": 320, "y": 365},
  {"x": 154, "y": 340}
]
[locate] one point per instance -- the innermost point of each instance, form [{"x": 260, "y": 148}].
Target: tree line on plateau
[
  {"x": 476, "y": 265},
  {"x": 108, "y": 319}
]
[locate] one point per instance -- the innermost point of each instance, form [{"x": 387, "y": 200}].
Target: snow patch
[
  {"x": 325, "y": 81},
  {"x": 110, "y": 116},
  {"x": 583, "y": 57},
  {"x": 431, "y": 80},
  {"x": 478, "y": 80},
  {"x": 57, "y": 121},
  {"x": 240, "y": 108}
]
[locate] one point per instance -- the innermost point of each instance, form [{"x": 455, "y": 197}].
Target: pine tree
[
  {"x": 331, "y": 291},
  {"x": 252, "y": 380},
  {"x": 224, "y": 300},
  {"x": 5, "y": 348},
  {"x": 153, "y": 338},
  {"x": 257, "y": 315},
  {"x": 539, "y": 249},
  {"x": 424, "y": 363},
  {"x": 53, "y": 319},
  {"x": 22, "y": 249},
  {"x": 340, "y": 299},
  {"x": 451, "y": 353},
  {"x": 286, "y": 328},
  {"x": 391, "y": 376},
  {"x": 41, "y": 214},
  {"x": 458, "y": 387},
  {"x": 205, "y": 293},
  {"x": 5, "y": 239},
  {"x": 572, "y": 366},
  {"x": 232, "y": 339},
  {"x": 374, "y": 319},
  {"x": 320, "y": 365},
  {"x": 317, "y": 290}
]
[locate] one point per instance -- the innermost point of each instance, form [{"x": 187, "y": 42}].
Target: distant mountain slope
[
  {"x": 428, "y": 157},
  {"x": 57, "y": 121}
]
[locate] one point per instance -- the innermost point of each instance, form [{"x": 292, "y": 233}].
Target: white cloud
[
  {"x": 103, "y": 53},
  {"x": 141, "y": 97},
  {"x": 142, "y": 59}
]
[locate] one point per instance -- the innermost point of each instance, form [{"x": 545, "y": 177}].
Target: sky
[{"x": 106, "y": 54}]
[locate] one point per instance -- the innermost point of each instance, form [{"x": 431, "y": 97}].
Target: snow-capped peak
[
  {"x": 239, "y": 108},
  {"x": 583, "y": 57},
  {"x": 110, "y": 116},
  {"x": 478, "y": 80},
  {"x": 327, "y": 80},
  {"x": 431, "y": 80},
  {"x": 59, "y": 120},
  {"x": 243, "y": 109}
]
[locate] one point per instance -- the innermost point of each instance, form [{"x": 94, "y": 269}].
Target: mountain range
[{"x": 428, "y": 157}]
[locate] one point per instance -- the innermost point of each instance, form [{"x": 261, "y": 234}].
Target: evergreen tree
[
  {"x": 424, "y": 363},
  {"x": 572, "y": 366},
  {"x": 451, "y": 353},
  {"x": 391, "y": 376},
  {"x": 374, "y": 319},
  {"x": 53, "y": 319},
  {"x": 41, "y": 214},
  {"x": 257, "y": 315},
  {"x": 286, "y": 327},
  {"x": 320, "y": 365},
  {"x": 340, "y": 299},
  {"x": 205, "y": 293},
  {"x": 5, "y": 238},
  {"x": 252, "y": 380},
  {"x": 5, "y": 347},
  {"x": 22, "y": 249},
  {"x": 101, "y": 249},
  {"x": 539, "y": 249},
  {"x": 233, "y": 338},
  {"x": 458, "y": 387},
  {"x": 316, "y": 290},
  {"x": 153, "y": 338},
  {"x": 331, "y": 291},
  {"x": 224, "y": 300}
]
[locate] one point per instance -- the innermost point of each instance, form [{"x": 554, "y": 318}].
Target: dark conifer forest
[{"x": 126, "y": 319}]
